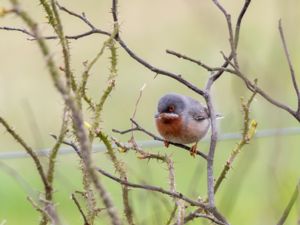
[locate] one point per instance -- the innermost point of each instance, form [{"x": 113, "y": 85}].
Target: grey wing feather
[{"x": 197, "y": 110}]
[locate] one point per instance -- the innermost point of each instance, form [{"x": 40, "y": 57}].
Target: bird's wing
[{"x": 197, "y": 110}]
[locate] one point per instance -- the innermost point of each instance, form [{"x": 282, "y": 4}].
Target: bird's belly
[
  {"x": 194, "y": 131},
  {"x": 184, "y": 133}
]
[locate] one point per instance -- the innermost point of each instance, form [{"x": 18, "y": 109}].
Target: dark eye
[{"x": 171, "y": 108}]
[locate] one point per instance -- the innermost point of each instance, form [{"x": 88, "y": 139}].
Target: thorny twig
[
  {"x": 156, "y": 138},
  {"x": 248, "y": 132}
]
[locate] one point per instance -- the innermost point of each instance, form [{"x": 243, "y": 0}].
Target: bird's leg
[
  {"x": 193, "y": 150},
  {"x": 166, "y": 143}
]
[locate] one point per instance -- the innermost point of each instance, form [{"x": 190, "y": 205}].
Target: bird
[{"x": 181, "y": 119}]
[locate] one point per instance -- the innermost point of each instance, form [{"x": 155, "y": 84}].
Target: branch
[
  {"x": 212, "y": 219},
  {"x": 118, "y": 165},
  {"x": 156, "y": 138},
  {"x": 254, "y": 88},
  {"x": 80, "y": 209},
  {"x": 198, "y": 62},
  {"x": 288, "y": 208},
  {"x": 153, "y": 188},
  {"x": 30, "y": 151},
  {"x": 81, "y": 17},
  {"x": 287, "y": 55},
  {"x": 236, "y": 38}
]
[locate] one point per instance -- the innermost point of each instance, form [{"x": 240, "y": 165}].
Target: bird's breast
[{"x": 170, "y": 126}]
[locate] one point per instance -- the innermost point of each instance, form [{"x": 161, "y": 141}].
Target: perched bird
[{"x": 181, "y": 119}]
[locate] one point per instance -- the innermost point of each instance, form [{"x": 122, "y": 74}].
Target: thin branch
[
  {"x": 139, "y": 128},
  {"x": 290, "y": 204},
  {"x": 239, "y": 22},
  {"x": 230, "y": 31},
  {"x": 254, "y": 88},
  {"x": 236, "y": 38},
  {"x": 119, "y": 167},
  {"x": 30, "y": 151},
  {"x": 153, "y": 188},
  {"x": 211, "y": 153},
  {"x": 212, "y": 219},
  {"x": 22, "y": 30},
  {"x": 172, "y": 215},
  {"x": 54, "y": 152},
  {"x": 81, "y": 17},
  {"x": 199, "y": 63},
  {"x": 58, "y": 28},
  {"x": 80, "y": 209},
  {"x": 287, "y": 55}
]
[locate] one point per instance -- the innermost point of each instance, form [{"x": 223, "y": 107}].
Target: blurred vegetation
[{"x": 266, "y": 172}]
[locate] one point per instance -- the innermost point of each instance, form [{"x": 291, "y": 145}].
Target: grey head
[{"x": 172, "y": 103}]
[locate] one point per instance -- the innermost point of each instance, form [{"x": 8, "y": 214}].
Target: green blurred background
[{"x": 266, "y": 172}]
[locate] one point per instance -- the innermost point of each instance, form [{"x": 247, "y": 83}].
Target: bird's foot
[
  {"x": 166, "y": 143},
  {"x": 193, "y": 150}
]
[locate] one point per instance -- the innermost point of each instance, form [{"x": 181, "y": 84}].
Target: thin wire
[{"x": 154, "y": 144}]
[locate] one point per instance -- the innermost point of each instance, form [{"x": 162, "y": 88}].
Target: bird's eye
[{"x": 171, "y": 108}]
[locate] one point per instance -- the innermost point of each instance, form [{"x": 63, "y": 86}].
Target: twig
[
  {"x": 199, "y": 63},
  {"x": 236, "y": 38},
  {"x": 153, "y": 188},
  {"x": 172, "y": 215},
  {"x": 54, "y": 152},
  {"x": 80, "y": 209},
  {"x": 254, "y": 88},
  {"x": 119, "y": 167},
  {"x": 22, "y": 30},
  {"x": 287, "y": 55},
  {"x": 212, "y": 219},
  {"x": 30, "y": 151},
  {"x": 249, "y": 129},
  {"x": 239, "y": 22},
  {"x": 230, "y": 30},
  {"x": 289, "y": 206},
  {"x": 81, "y": 17},
  {"x": 135, "y": 110},
  {"x": 139, "y": 128}
]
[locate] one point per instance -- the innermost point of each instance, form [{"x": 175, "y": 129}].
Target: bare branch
[
  {"x": 254, "y": 88},
  {"x": 230, "y": 30},
  {"x": 153, "y": 188},
  {"x": 199, "y": 63},
  {"x": 239, "y": 22},
  {"x": 212, "y": 219},
  {"x": 81, "y": 17},
  {"x": 16, "y": 29},
  {"x": 80, "y": 209},
  {"x": 30, "y": 151},
  {"x": 288, "y": 208},
  {"x": 287, "y": 55}
]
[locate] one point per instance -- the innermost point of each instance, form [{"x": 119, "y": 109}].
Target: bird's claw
[
  {"x": 166, "y": 143},
  {"x": 193, "y": 150}
]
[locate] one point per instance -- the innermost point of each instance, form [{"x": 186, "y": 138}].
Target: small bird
[{"x": 181, "y": 119}]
